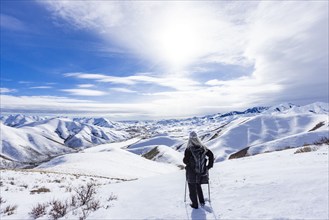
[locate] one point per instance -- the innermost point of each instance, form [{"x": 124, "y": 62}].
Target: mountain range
[{"x": 31, "y": 140}]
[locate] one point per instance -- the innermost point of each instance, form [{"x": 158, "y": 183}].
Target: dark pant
[{"x": 195, "y": 193}]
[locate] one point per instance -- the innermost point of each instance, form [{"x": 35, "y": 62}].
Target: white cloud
[
  {"x": 41, "y": 87},
  {"x": 84, "y": 92},
  {"x": 7, "y": 90},
  {"x": 68, "y": 106},
  {"x": 289, "y": 51},
  {"x": 24, "y": 82},
  {"x": 285, "y": 42},
  {"x": 86, "y": 85},
  {"x": 178, "y": 83},
  {"x": 170, "y": 34},
  {"x": 222, "y": 96},
  {"x": 12, "y": 23},
  {"x": 124, "y": 90}
]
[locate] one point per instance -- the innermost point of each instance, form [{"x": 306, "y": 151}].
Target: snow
[
  {"x": 24, "y": 146},
  {"x": 266, "y": 128},
  {"x": 293, "y": 141},
  {"x": 111, "y": 161},
  {"x": 45, "y": 138},
  {"x": 277, "y": 185},
  {"x": 74, "y": 134},
  {"x": 158, "y": 140},
  {"x": 144, "y": 146},
  {"x": 168, "y": 155}
]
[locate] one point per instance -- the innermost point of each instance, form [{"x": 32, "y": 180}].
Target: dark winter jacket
[{"x": 191, "y": 175}]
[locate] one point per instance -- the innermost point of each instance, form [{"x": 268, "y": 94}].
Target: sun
[{"x": 180, "y": 39}]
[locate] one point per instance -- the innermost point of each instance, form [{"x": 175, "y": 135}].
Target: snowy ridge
[
  {"x": 249, "y": 131},
  {"x": 19, "y": 145},
  {"x": 165, "y": 154},
  {"x": 74, "y": 134},
  {"x": 292, "y": 141},
  {"x": 111, "y": 161},
  {"x": 102, "y": 122},
  {"x": 19, "y": 120},
  {"x": 45, "y": 138},
  {"x": 223, "y": 133},
  {"x": 243, "y": 188}
]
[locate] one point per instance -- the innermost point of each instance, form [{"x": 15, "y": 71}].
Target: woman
[{"x": 197, "y": 168}]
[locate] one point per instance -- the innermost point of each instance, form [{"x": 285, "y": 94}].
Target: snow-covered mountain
[
  {"x": 19, "y": 120},
  {"x": 262, "y": 128},
  {"x": 74, "y": 134},
  {"x": 144, "y": 160},
  {"x": 102, "y": 122},
  {"x": 24, "y": 146},
  {"x": 108, "y": 160},
  {"x": 43, "y": 139}
]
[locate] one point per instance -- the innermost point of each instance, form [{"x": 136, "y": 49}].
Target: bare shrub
[
  {"x": 112, "y": 197},
  {"x": 85, "y": 213},
  {"x": 323, "y": 140},
  {"x": 9, "y": 210},
  {"x": 73, "y": 201},
  {"x": 305, "y": 149},
  {"x": 93, "y": 205},
  {"x": 86, "y": 193},
  {"x": 58, "y": 209},
  {"x": 24, "y": 186},
  {"x": 2, "y": 200},
  {"x": 68, "y": 189},
  {"x": 40, "y": 190},
  {"x": 38, "y": 211}
]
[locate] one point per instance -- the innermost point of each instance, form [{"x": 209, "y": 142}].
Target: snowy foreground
[{"x": 277, "y": 185}]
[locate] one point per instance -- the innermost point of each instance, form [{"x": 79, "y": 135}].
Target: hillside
[
  {"x": 279, "y": 185},
  {"x": 40, "y": 140},
  {"x": 109, "y": 161},
  {"x": 22, "y": 146},
  {"x": 260, "y": 129}
]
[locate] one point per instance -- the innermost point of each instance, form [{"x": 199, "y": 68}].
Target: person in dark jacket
[{"x": 195, "y": 158}]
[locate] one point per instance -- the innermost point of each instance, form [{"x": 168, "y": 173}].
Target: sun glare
[{"x": 179, "y": 40}]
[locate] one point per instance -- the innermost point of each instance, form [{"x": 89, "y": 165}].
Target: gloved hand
[{"x": 209, "y": 167}]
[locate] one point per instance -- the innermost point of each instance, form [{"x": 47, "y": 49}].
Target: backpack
[
  {"x": 199, "y": 155},
  {"x": 199, "y": 164}
]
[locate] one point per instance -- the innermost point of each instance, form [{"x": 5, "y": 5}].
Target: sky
[{"x": 129, "y": 60}]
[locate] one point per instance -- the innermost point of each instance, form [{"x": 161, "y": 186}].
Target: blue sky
[{"x": 152, "y": 60}]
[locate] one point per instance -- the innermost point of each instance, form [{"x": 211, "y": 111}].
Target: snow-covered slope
[
  {"x": 102, "y": 122},
  {"x": 224, "y": 133},
  {"x": 111, "y": 161},
  {"x": 165, "y": 154},
  {"x": 74, "y": 134},
  {"x": 45, "y": 138},
  {"x": 249, "y": 131},
  {"x": 278, "y": 185},
  {"x": 143, "y": 146},
  {"x": 19, "y": 145},
  {"x": 19, "y": 120},
  {"x": 281, "y": 185}
]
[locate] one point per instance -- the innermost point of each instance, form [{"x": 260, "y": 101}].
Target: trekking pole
[
  {"x": 209, "y": 191},
  {"x": 185, "y": 191}
]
